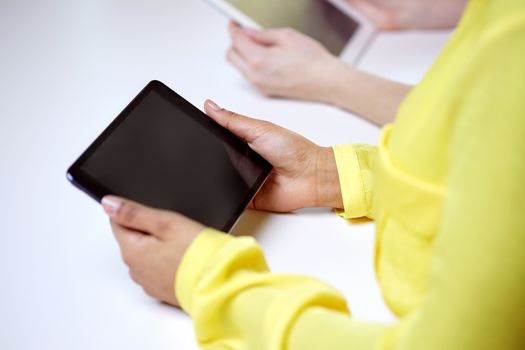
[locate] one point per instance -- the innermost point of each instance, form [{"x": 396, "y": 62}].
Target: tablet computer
[
  {"x": 334, "y": 23},
  {"x": 164, "y": 152}
]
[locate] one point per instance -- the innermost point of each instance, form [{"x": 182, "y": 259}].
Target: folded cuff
[{"x": 351, "y": 182}]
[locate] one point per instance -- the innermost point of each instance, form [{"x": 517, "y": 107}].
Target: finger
[
  {"x": 252, "y": 51},
  {"x": 132, "y": 244},
  {"x": 136, "y": 216},
  {"x": 134, "y": 276},
  {"x": 263, "y": 36},
  {"x": 269, "y": 37},
  {"x": 233, "y": 23},
  {"x": 127, "y": 237},
  {"x": 246, "y": 128},
  {"x": 238, "y": 62}
]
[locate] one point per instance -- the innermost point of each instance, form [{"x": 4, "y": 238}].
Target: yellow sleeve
[
  {"x": 476, "y": 293},
  {"x": 476, "y": 288},
  {"x": 355, "y": 170},
  {"x": 235, "y": 303}
]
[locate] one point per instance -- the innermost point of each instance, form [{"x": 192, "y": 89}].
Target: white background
[{"x": 67, "y": 68}]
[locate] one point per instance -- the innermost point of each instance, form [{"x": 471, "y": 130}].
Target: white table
[{"x": 66, "y": 69}]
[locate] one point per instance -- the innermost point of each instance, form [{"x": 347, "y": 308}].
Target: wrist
[
  {"x": 333, "y": 85},
  {"x": 371, "y": 97},
  {"x": 341, "y": 90},
  {"x": 327, "y": 188},
  {"x": 430, "y": 15}
]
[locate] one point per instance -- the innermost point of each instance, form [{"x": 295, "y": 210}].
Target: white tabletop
[{"x": 67, "y": 68}]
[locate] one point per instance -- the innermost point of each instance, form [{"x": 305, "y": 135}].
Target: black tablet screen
[{"x": 161, "y": 155}]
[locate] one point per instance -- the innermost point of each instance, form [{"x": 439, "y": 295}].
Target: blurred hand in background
[
  {"x": 286, "y": 63},
  {"x": 283, "y": 62}
]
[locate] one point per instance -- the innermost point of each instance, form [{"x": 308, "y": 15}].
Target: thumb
[
  {"x": 262, "y": 36},
  {"x": 248, "y": 129},
  {"x": 136, "y": 216}
]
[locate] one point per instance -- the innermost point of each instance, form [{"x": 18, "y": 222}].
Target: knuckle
[
  {"x": 133, "y": 276},
  {"x": 128, "y": 257},
  {"x": 128, "y": 212},
  {"x": 256, "y": 80},
  {"x": 262, "y": 87},
  {"x": 259, "y": 81},
  {"x": 228, "y": 55},
  {"x": 265, "y": 92},
  {"x": 231, "y": 115},
  {"x": 232, "y": 118},
  {"x": 148, "y": 291},
  {"x": 164, "y": 224},
  {"x": 288, "y": 33},
  {"x": 258, "y": 63}
]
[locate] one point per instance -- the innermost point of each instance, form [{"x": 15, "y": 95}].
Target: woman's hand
[
  {"x": 284, "y": 63},
  {"x": 152, "y": 243},
  {"x": 304, "y": 174},
  {"x": 411, "y": 14}
]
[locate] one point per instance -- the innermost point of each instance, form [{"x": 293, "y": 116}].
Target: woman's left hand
[{"x": 152, "y": 243}]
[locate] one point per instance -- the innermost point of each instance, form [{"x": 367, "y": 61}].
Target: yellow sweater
[{"x": 446, "y": 186}]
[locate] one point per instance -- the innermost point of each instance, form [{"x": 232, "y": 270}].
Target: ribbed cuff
[
  {"x": 195, "y": 262},
  {"x": 351, "y": 182}
]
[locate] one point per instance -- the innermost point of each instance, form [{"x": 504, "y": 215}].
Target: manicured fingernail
[
  {"x": 213, "y": 105},
  {"x": 111, "y": 205},
  {"x": 251, "y": 32}
]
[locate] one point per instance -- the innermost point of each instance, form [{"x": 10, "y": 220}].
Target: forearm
[
  {"x": 374, "y": 98},
  {"x": 431, "y": 15},
  {"x": 235, "y": 302}
]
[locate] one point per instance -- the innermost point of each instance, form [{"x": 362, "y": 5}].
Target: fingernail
[
  {"x": 111, "y": 205},
  {"x": 213, "y": 105},
  {"x": 251, "y": 32}
]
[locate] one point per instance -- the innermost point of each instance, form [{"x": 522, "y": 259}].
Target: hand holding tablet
[
  {"x": 334, "y": 23},
  {"x": 159, "y": 138},
  {"x": 165, "y": 153}
]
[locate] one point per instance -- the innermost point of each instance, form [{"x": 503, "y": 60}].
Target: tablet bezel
[
  {"x": 86, "y": 183},
  {"x": 354, "y": 48}
]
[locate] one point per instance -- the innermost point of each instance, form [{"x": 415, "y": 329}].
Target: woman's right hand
[{"x": 304, "y": 174}]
